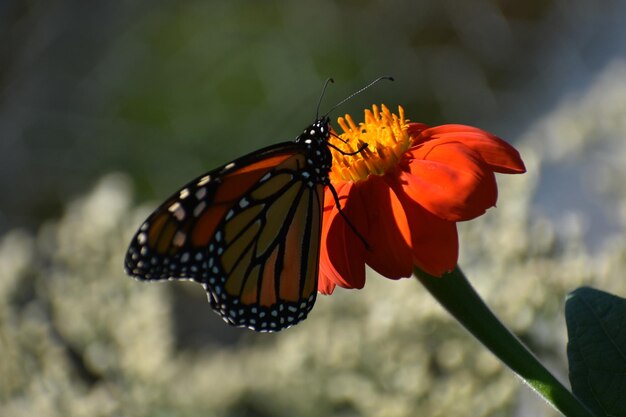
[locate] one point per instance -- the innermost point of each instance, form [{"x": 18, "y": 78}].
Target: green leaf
[{"x": 596, "y": 324}]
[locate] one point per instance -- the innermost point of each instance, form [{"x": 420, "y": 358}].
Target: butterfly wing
[{"x": 248, "y": 231}]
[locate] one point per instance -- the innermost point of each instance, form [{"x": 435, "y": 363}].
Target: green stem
[{"x": 457, "y": 296}]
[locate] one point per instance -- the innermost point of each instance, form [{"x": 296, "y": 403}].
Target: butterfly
[{"x": 248, "y": 231}]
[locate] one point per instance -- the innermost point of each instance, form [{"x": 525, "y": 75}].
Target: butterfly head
[{"x": 318, "y": 132}]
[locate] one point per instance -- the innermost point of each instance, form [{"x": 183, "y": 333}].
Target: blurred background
[{"x": 108, "y": 107}]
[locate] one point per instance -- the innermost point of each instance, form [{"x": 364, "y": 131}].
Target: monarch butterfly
[{"x": 248, "y": 231}]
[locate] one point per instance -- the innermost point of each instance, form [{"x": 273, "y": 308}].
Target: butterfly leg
[
  {"x": 361, "y": 149},
  {"x": 354, "y": 229}
]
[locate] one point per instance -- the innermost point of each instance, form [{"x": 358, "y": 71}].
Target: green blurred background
[
  {"x": 106, "y": 105},
  {"x": 164, "y": 90}
]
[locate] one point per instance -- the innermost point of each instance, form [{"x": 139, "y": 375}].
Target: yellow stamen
[{"x": 387, "y": 140}]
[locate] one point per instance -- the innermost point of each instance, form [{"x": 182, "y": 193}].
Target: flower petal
[
  {"x": 497, "y": 154},
  {"x": 342, "y": 252},
  {"x": 450, "y": 180},
  {"x": 389, "y": 236},
  {"x": 414, "y": 129},
  {"x": 324, "y": 284},
  {"x": 434, "y": 242}
]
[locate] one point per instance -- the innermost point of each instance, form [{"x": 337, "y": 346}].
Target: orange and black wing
[{"x": 248, "y": 231}]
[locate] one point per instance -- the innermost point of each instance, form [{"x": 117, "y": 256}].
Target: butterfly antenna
[
  {"x": 356, "y": 93},
  {"x": 319, "y": 102}
]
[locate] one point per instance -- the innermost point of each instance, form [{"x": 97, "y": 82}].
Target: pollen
[{"x": 386, "y": 137}]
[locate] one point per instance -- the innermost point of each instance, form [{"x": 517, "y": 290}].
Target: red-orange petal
[
  {"x": 414, "y": 129},
  {"x": 389, "y": 235},
  {"x": 450, "y": 180},
  {"x": 497, "y": 154},
  {"x": 434, "y": 242},
  {"x": 342, "y": 252},
  {"x": 324, "y": 284}
]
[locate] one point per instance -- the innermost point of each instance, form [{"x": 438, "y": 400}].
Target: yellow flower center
[{"x": 387, "y": 140}]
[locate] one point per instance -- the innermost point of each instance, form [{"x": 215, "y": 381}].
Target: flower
[{"x": 403, "y": 194}]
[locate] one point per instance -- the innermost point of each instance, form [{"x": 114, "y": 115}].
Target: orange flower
[{"x": 404, "y": 194}]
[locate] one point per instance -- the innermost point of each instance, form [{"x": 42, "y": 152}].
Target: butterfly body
[{"x": 248, "y": 231}]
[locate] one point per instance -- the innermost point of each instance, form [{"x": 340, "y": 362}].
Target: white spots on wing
[
  {"x": 204, "y": 180},
  {"x": 260, "y": 318},
  {"x": 184, "y": 193},
  {"x": 200, "y": 193},
  {"x": 177, "y": 210},
  {"x": 179, "y": 239},
  {"x": 199, "y": 209},
  {"x": 265, "y": 177},
  {"x": 229, "y": 215},
  {"x": 184, "y": 257},
  {"x": 244, "y": 202},
  {"x": 229, "y": 166},
  {"x": 142, "y": 238}
]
